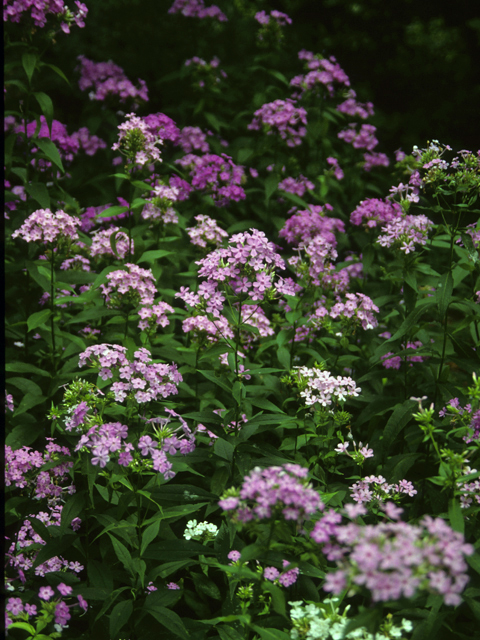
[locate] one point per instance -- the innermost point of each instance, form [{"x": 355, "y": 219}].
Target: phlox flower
[{"x": 44, "y": 226}]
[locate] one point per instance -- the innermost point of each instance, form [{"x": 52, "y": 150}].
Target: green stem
[{"x": 52, "y": 305}]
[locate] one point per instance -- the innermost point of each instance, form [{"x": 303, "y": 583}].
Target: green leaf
[
  {"x": 224, "y": 449},
  {"x": 46, "y": 105},
  {"x": 151, "y": 256},
  {"x": 39, "y": 192},
  {"x": 113, "y": 211},
  {"x": 410, "y": 320},
  {"x": 213, "y": 378},
  {"x": 401, "y": 416},
  {"x": 24, "y": 367},
  {"x": 455, "y": 515},
  {"x": 29, "y": 61},
  {"x": 296, "y": 199},
  {"x": 168, "y": 619},
  {"x": 470, "y": 247},
  {"x": 271, "y": 184},
  {"x": 268, "y": 633},
  {"x": 283, "y": 355},
  {"x": 38, "y": 318},
  {"x": 51, "y": 151},
  {"x": 122, "y": 554},
  {"x": 149, "y": 535},
  {"x": 57, "y": 71},
  {"x": 444, "y": 292},
  {"x": 119, "y": 617},
  {"x": 71, "y": 510},
  {"x": 26, "y": 627}
]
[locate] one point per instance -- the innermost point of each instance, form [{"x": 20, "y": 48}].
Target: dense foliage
[{"x": 242, "y": 343}]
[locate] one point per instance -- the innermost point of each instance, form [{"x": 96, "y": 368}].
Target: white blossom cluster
[
  {"x": 323, "y": 388},
  {"x": 312, "y": 622},
  {"x": 200, "y": 531}
]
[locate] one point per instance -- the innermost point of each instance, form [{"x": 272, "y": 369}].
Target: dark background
[{"x": 417, "y": 61}]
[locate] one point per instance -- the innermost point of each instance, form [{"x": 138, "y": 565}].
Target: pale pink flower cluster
[
  {"x": 45, "y": 226},
  {"x": 212, "y": 331},
  {"x": 282, "y": 117},
  {"x": 135, "y": 286},
  {"x": 394, "y": 559},
  {"x": 377, "y": 489},
  {"x": 159, "y": 207},
  {"x": 77, "y": 263},
  {"x": 353, "y": 108},
  {"x": 272, "y": 492},
  {"x": 297, "y": 186},
  {"x": 321, "y": 72},
  {"x": 154, "y": 315},
  {"x": 306, "y": 224},
  {"x": 315, "y": 266},
  {"x": 320, "y": 387},
  {"x": 356, "y": 309},
  {"x": 193, "y": 139},
  {"x": 363, "y": 139},
  {"x": 138, "y": 141},
  {"x": 405, "y": 232},
  {"x": 197, "y": 9},
  {"x": 374, "y": 212},
  {"x": 206, "y": 232},
  {"x": 282, "y": 19},
  {"x": 145, "y": 380},
  {"x": 39, "y": 10},
  {"x": 107, "y": 79},
  {"x": 101, "y": 245}
]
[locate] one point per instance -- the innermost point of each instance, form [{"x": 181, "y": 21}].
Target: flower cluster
[
  {"x": 18, "y": 613},
  {"x": 363, "y": 139},
  {"x": 313, "y": 265},
  {"x": 357, "y": 309},
  {"x": 155, "y": 315},
  {"x": 353, "y": 108},
  {"x": 247, "y": 265},
  {"x": 159, "y": 206},
  {"x": 9, "y": 406},
  {"x": 207, "y": 74},
  {"x": 197, "y": 9},
  {"x": 321, "y": 72},
  {"x": 320, "y": 387},
  {"x": 145, "y": 380},
  {"x": 389, "y": 361},
  {"x": 375, "y": 160},
  {"x": 305, "y": 224},
  {"x": 394, "y": 559},
  {"x": 280, "y": 18},
  {"x": 207, "y": 330},
  {"x": 104, "y": 440},
  {"x": 202, "y": 531},
  {"x": 45, "y": 226},
  {"x": 285, "y": 578},
  {"x": 273, "y": 492},
  {"x": 375, "y": 212},
  {"x": 138, "y": 140},
  {"x": 217, "y": 175},
  {"x": 375, "y": 489},
  {"x": 282, "y": 117},
  {"x": 405, "y": 232},
  {"x": 106, "y": 79},
  {"x": 314, "y": 621},
  {"x": 193, "y": 139},
  {"x": 102, "y": 245},
  {"x": 135, "y": 286},
  {"x": 298, "y": 185},
  {"x": 470, "y": 491},
  {"x": 206, "y": 232},
  {"x": 13, "y": 11},
  {"x": 21, "y": 465},
  {"x": 336, "y": 168}
]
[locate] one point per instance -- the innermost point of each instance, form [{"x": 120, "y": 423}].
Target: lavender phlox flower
[
  {"x": 135, "y": 286},
  {"x": 363, "y": 139},
  {"x": 305, "y": 224},
  {"x": 353, "y": 108},
  {"x": 405, "y": 232},
  {"x": 9, "y": 406},
  {"x": 151, "y": 316},
  {"x": 377, "y": 490},
  {"x": 68, "y": 146},
  {"x": 319, "y": 387},
  {"x": 88, "y": 142},
  {"x": 39, "y": 12},
  {"x": 396, "y": 559},
  {"x": 282, "y": 19},
  {"x": 106, "y": 79},
  {"x": 336, "y": 168},
  {"x": 197, "y": 9},
  {"x": 193, "y": 139},
  {"x": 161, "y": 379},
  {"x": 282, "y": 117},
  {"x": 101, "y": 243},
  {"x": 218, "y": 176},
  {"x": 182, "y": 186},
  {"x": 297, "y": 185},
  {"x": 77, "y": 263},
  {"x": 320, "y": 73},
  {"x": 273, "y": 492},
  {"x": 138, "y": 138},
  {"x": 389, "y": 361},
  {"x": 375, "y": 212},
  {"x": 44, "y": 226},
  {"x": 206, "y": 74},
  {"x": 206, "y": 232},
  {"x": 353, "y": 310},
  {"x": 376, "y": 159}
]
